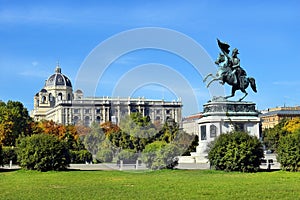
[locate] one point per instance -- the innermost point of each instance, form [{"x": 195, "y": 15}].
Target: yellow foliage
[{"x": 292, "y": 125}]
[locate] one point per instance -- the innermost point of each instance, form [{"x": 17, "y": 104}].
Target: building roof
[
  {"x": 58, "y": 79},
  {"x": 281, "y": 112},
  {"x": 193, "y": 117}
]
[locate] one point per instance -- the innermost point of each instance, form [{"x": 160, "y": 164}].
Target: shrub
[
  {"x": 43, "y": 152},
  {"x": 288, "y": 152},
  {"x": 151, "y": 151},
  {"x": 236, "y": 151},
  {"x": 9, "y": 154},
  {"x": 160, "y": 155},
  {"x": 104, "y": 155},
  {"x": 128, "y": 156},
  {"x": 81, "y": 156}
]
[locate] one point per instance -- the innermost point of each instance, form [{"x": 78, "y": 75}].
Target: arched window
[
  {"x": 203, "y": 132},
  {"x": 59, "y": 96},
  {"x": 43, "y": 99},
  {"x": 76, "y": 119},
  {"x": 98, "y": 119},
  {"x": 213, "y": 131},
  {"x": 87, "y": 121},
  {"x": 50, "y": 97},
  {"x": 69, "y": 97}
]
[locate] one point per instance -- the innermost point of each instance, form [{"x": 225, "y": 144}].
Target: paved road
[{"x": 113, "y": 166}]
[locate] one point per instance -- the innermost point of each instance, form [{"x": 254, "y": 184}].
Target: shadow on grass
[
  {"x": 83, "y": 170},
  {"x": 8, "y": 170},
  {"x": 269, "y": 170}
]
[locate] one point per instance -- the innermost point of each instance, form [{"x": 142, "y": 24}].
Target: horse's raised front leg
[
  {"x": 214, "y": 79},
  {"x": 208, "y": 75}
]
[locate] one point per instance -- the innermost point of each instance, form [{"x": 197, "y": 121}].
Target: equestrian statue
[{"x": 231, "y": 72}]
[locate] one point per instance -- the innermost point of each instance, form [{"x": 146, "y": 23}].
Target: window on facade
[
  {"x": 76, "y": 111},
  {"x": 59, "y": 96},
  {"x": 239, "y": 127},
  {"x": 87, "y": 121},
  {"x": 50, "y": 97},
  {"x": 203, "y": 132},
  {"x": 98, "y": 111},
  {"x": 87, "y": 111},
  {"x": 76, "y": 119},
  {"x": 213, "y": 131},
  {"x": 98, "y": 119},
  {"x": 168, "y": 112},
  {"x": 69, "y": 97},
  {"x": 43, "y": 99}
]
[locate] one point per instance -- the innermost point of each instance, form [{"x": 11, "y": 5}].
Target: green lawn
[{"x": 166, "y": 184}]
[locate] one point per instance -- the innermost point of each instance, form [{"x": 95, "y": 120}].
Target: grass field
[{"x": 165, "y": 184}]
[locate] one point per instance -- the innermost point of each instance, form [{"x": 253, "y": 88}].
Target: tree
[
  {"x": 105, "y": 155},
  {"x": 161, "y": 155},
  {"x": 43, "y": 152},
  {"x": 110, "y": 128},
  {"x": 14, "y": 122},
  {"x": 67, "y": 133},
  {"x": 9, "y": 154},
  {"x": 236, "y": 151},
  {"x": 292, "y": 125},
  {"x": 271, "y": 136},
  {"x": 139, "y": 131},
  {"x": 81, "y": 156},
  {"x": 94, "y": 138},
  {"x": 288, "y": 151},
  {"x": 1, "y": 156},
  {"x": 128, "y": 156}
]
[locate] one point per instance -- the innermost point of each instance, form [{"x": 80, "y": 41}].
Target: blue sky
[{"x": 36, "y": 34}]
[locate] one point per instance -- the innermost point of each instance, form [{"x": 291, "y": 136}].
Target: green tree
[
  {"x": 43, "y": 152},
  {"x": 271, "y": 136},
  {"x": 169, "y": 131},
  {"x": 1, "y": 156},
  {"x": 137, "y": 131},
  {"x": 161, "y": 155},
  {"x": 128, "y": 156},
  {"x": 94, "y": 138},
  {"x": 105, "y": 155},
  {"x": 14, "y": 122},
  {"x": 81, "y": 156},
  {"x": 236, "y": 151},
  {"x": 288, "y": 151},
  {"x": 9, "y": 154},
  {"x": 151, "y": 151}
]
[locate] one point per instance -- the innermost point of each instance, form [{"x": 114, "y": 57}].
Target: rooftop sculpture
[{"x": 231, "y": 72}]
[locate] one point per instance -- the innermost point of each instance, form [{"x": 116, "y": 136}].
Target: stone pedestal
[{"x": 221, "y": 116}]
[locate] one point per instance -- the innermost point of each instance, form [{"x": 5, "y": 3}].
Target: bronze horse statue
[{"x": 226, "y": 74}]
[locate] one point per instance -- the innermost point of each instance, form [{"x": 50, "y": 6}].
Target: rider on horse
[
  {"x": 231, "y": 72},
  {"x": 234, "y": 63}
]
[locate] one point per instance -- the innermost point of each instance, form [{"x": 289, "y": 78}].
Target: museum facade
[{"x": 56, "y": 101}]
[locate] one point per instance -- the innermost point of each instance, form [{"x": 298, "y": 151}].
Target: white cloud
[
  {"x": 35, "y": 63},
  {"x": 287, "y": 83}
]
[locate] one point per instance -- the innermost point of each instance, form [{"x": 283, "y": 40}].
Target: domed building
[{"x": 56, "y": 101}]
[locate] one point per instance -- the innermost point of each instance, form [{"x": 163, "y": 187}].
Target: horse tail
[{"x": 252, "y": 83}]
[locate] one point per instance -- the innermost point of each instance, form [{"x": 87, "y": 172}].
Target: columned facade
[{"x": 57, "y": 102}]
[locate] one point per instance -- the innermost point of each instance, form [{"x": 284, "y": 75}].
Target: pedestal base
[{"x": 221, "y": 116}]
